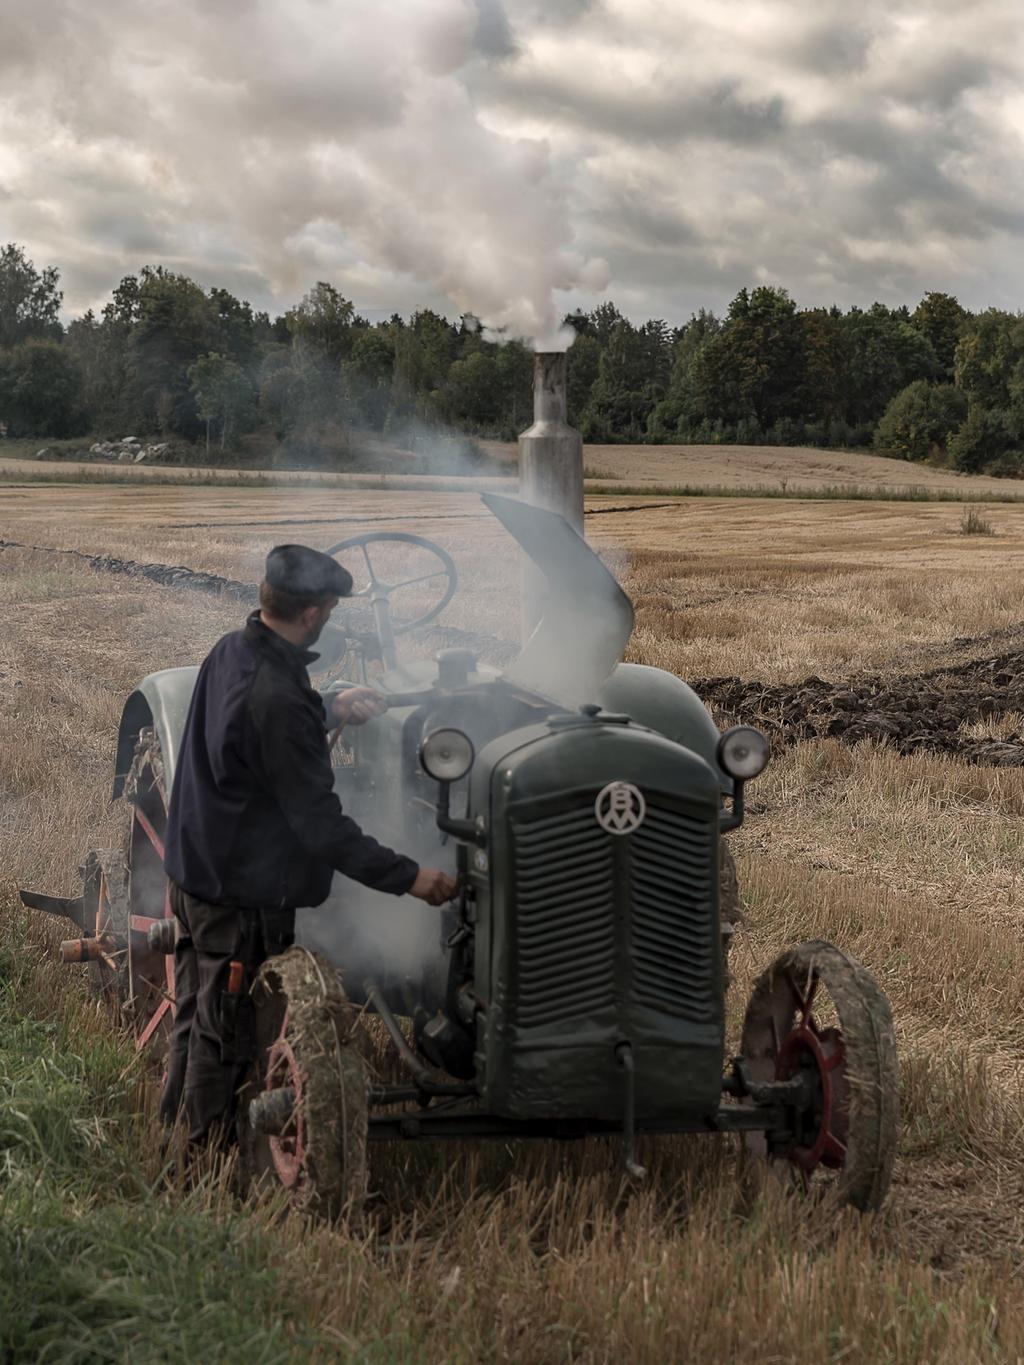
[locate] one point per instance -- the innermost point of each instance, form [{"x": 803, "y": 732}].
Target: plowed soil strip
[
  {"x": 641, "y": 507},
  {"x": 168, "y": 575},
  {"x": 923, "y": 712}
]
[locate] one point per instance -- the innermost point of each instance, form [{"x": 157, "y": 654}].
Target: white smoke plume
[
  {"x": 269, "y": 142},
  {"x": 586, "y": 626}
]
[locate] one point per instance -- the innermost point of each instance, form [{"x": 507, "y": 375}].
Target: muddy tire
[
  {"x": 819, "y": 1013},
  {"x": 307, "y": 1040}
]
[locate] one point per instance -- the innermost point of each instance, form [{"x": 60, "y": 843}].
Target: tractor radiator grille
[
  {"x": 584, "y": 899},
  {"x": 671, "y": 927},
  {"x": 565, "y": 920}
]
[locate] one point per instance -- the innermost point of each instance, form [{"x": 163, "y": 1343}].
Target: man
[{"x": 255, "y": 830}]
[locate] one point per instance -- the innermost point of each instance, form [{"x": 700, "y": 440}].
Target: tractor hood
[{"x": 587, "y": 619}]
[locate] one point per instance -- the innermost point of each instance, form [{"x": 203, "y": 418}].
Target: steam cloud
[
  {"x": 586, "y": 625},
  {"x": 274, "y": 141}
]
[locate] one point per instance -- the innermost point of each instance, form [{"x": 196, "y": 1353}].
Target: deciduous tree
[
  {"x": 920, "y": 420},
  {"x": 941, "y": 319},
  {"x": 322, "y": 322},
  {"x": 40, "y": 390},
  {"x": 222, "y": 392},
  {"x": 30, "y": 299},
  {"x": 174, "y": 325}
]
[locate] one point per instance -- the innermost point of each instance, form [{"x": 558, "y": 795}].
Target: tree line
[{"x": 166, "y": 356}]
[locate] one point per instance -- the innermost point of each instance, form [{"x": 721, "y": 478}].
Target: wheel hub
[{"x": 823, "y": 1129}]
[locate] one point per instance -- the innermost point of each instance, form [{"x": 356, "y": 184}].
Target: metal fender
[
  {"x": 664, "y": 703},
  {"x": 162, "y": 701}
]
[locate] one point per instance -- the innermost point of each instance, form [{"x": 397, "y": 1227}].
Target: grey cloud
[
  {"x": 639, "y": 217},
  {"x": 909, "y": 169},
  {"x": 718, "y": 112},
  {"x": 494, "y": 36},
  {"x": 137, "y": 232},
  {"x": 942, "y": 81},
  {"x": 833, "y": 48},
  {"x": 553, "y": 14}
]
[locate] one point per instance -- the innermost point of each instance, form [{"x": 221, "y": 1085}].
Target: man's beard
[{"x": 316, "y": 631}]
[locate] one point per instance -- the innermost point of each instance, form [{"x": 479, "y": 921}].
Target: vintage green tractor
[{"x": 578, "y": 984}]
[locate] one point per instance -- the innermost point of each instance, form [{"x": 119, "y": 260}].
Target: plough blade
[{"x": 70, "y": 907}]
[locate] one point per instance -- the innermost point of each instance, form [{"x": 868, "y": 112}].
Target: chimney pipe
[{"x": 550, "y": 468}]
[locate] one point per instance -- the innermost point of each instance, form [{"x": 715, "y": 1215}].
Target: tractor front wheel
[
  {"x": 303, "y": 1113},
  {"x": 818, "y": 1015}
]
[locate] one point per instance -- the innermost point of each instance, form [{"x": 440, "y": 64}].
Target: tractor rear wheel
[
  {"x": 105, "y": 913},
  {"x": 303, "y": 1114},
  {"x": 150, "y": 957},
  {"x": 124, "y": 912},
  {"x": 818, "y": 1014}
]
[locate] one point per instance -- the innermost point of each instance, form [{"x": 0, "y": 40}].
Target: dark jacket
[{"x": 254, "y": 820}]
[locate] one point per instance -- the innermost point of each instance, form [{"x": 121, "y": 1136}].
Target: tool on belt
[{"x": 236, "y": 1016}]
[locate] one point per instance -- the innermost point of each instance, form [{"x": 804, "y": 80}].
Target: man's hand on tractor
[
  {"x": 355, "y": 706},
  {"x": 433, "y": 886}
]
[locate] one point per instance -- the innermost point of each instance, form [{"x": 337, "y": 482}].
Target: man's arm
[{"x": 298, "y": 773}]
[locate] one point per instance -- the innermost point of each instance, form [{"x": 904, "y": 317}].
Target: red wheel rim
[
  {"x": 820, "y": 1051},
  {"x": 288, "y": 1149}
]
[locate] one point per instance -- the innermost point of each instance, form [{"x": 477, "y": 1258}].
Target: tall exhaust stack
[{"x": 550, "y": 468}]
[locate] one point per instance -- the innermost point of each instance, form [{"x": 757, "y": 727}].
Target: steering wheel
[{"x": 379, "y": 593}]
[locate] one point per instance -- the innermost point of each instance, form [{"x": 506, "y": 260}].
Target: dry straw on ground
[{"x": 538, "y": 1252}]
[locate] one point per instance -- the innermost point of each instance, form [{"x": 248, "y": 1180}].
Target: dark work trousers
[{"x": 212, "y": 1038}]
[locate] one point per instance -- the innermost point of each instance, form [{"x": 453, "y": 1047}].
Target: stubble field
[{"x": 542, "y": 1254}]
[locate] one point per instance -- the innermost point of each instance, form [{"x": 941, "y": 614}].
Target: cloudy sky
[{"x": 518, "y": 157}]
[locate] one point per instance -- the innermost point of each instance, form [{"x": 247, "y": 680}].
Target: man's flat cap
[{"x": 303, "y": 572}]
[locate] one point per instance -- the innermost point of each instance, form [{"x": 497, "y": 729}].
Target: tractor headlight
[
  {"x": 743, "y": 752},
  {"x": 447, "y": 755}
]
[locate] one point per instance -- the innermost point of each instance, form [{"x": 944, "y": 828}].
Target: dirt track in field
[
  {"x": 769, "y": 467},
  {"x": 930, "y": 712},
  {"x": 915, "y": 630},
  {"x": 773, "y": 469}
]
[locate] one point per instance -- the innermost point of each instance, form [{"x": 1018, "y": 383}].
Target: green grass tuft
[
  {"x": 97, "y": 1261},
  {"x": 972, "y": 523}
]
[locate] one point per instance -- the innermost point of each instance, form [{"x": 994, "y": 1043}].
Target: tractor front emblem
[{"x": 620, "y": 808}]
